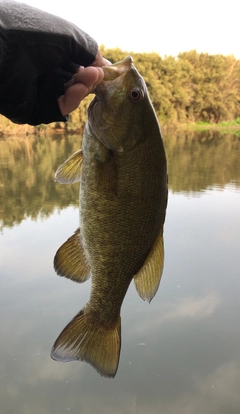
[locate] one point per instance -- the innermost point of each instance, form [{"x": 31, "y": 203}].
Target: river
[{"x": 181, "y": 353}]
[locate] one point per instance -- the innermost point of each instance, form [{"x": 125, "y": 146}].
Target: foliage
[
  {"x": 27, "y": 168},
  {"x": 196, "y": 161},
  {"x": 190, "y": 88}
]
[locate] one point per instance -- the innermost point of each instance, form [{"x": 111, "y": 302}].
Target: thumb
[{"x": 82, "y": 83}]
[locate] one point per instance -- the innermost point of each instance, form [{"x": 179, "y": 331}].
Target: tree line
[{"x": 192, "y": 87}]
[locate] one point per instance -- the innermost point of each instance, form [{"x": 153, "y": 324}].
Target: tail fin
[{"x": 83, "y": 339}]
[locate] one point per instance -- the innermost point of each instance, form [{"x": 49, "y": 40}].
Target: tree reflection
[{"x": 196, "y": 161}]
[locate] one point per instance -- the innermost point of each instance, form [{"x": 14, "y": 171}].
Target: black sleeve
[{"x": 39, "y": 53}]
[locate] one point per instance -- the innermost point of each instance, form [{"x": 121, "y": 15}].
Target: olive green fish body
[
  {"x": 126, "y": 216},
  {"x": 123, "y": 198}
]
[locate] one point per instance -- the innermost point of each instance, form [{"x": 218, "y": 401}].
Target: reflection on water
[
  {"x": 197, "y": 161},
  {"x": 181, "y": 353}
]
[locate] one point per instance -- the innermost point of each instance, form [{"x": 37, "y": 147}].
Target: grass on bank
[{"x": 7, "y": 128}]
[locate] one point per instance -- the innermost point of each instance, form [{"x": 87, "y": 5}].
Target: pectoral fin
[
  {"x": 148, "y": 278},
  {"x": 70, "y": 171},
  {"x": 70, "y": 261}
]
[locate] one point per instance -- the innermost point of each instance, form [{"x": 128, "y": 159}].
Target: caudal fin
[{"x": 84, "y": 340}]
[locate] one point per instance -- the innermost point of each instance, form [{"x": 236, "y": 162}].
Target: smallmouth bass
[{"x": 123, "y": 198}]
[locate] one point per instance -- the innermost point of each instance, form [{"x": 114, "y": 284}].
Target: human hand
[
  {"x": 81, "y": 84},
  {"x": 40, "y": 54}
]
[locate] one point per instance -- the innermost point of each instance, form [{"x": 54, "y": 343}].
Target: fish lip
[{"x": 112, "y": 72}]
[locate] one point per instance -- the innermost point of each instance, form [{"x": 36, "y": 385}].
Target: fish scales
[
  {"x": 123, "y": 200},
  {"x": 126, "y": 228}
]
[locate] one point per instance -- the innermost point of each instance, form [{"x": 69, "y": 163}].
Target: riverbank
[{"x": 7, "y": 128}]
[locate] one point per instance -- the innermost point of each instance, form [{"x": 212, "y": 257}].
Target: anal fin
[
  {"x": 148, "y": 278},
  {"x": 70, "y": 260}
]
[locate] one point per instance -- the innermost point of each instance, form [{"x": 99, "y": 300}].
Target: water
[{"x": 181, "y": 353}]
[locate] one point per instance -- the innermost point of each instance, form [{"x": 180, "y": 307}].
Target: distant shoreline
[{"x": 42, "y": 130}]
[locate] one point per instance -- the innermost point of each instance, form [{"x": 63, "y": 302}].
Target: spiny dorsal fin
[
  {"x": 148, "y": 278},
  {"x": 70, "y": 261},
  {"x": 83, "y": 339},
  {"x": 70, "y": 171}
]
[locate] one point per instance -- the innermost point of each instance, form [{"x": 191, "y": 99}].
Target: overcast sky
[{"x": 173, "y": 26}]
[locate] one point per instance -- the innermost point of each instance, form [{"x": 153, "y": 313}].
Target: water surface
[{"x": 181, "y": 353}]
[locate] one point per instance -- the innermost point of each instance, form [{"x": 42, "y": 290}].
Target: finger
[
  {"x": 89, "y": 76},
  {"x": 72, "y": 98},
  {"x": 80, "y": 85},
  {"x": 100, "y": 61}
]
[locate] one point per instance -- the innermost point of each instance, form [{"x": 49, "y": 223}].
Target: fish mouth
[
  {"x": 103, "y": 111},
  {"x": 115, "y": 70}
]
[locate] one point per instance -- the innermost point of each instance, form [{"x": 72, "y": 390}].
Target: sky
[{"x": 172, "y": 27}]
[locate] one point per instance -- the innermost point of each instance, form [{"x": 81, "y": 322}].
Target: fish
[{"x": 122, "y": 170}]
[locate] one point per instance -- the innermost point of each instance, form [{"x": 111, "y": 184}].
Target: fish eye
[{"x": 135, "y": 94}]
